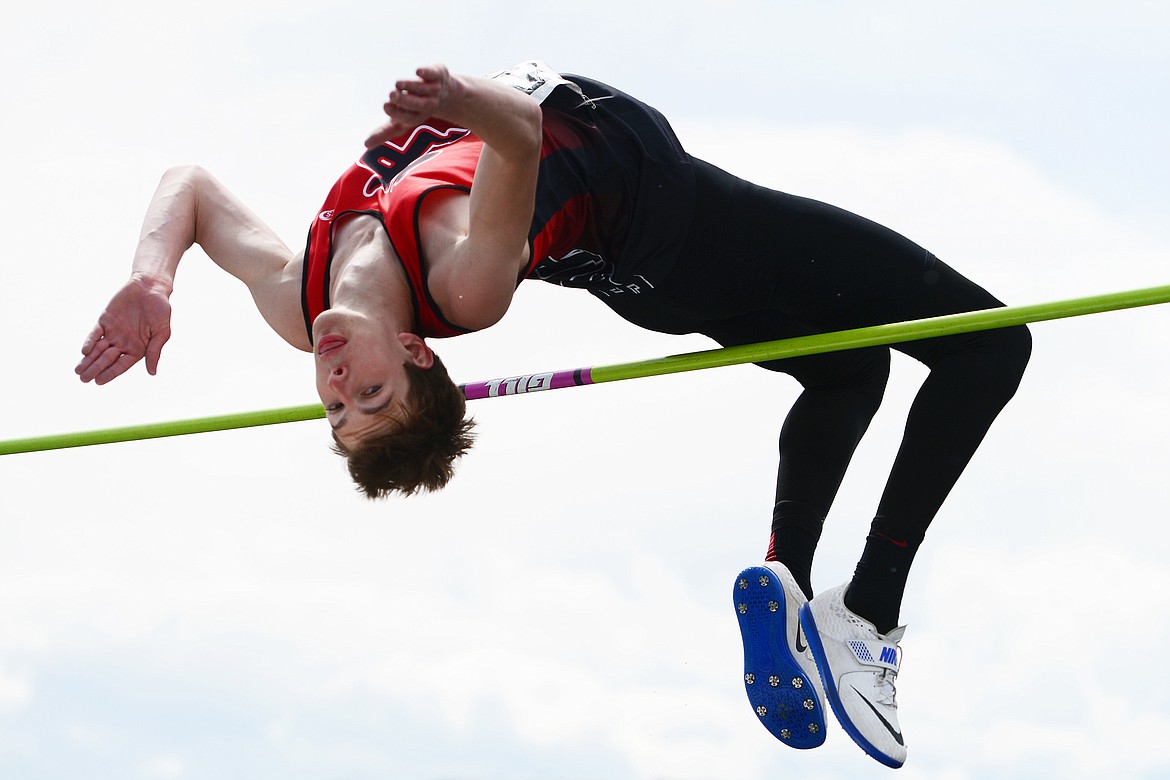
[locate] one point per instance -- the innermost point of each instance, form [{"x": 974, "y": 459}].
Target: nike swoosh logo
[
  {"x": 895, "y": 734},
  {"x": 896, "y": 542},
  {"x": 801, "y": 647}
]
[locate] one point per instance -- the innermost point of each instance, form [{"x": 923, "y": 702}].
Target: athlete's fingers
[
  {"x": 115, "y": 370},
  {"x": 434, "y": 73},
  {"x": 93, "y": 338},
  {"x": 84, "y": 364},
  {"x": 431, "y": 79},
  {"x": 405, "y": 118},
  {"x": 102, "y": 360},
  {"x": 417, "y": 87},
  {"x": 410, "y": 103},
  {"x": 385, "y": 132},
  {"x": 91, "y": 350},
  {"x": 382, "y": 134}
]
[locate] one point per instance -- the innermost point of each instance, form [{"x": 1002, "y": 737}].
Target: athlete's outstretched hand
[
  {"x": 413, "y": 101},
  {"x": 135, "y": 324}
]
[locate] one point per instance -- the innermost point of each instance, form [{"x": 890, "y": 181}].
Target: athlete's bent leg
[
  {"x": 842, "y": 392},
  {"x": 972, "y": 377}
]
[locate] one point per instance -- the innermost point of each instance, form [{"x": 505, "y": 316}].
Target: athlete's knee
[
  {"x": 990, "y": 361},
  {"x": 1012, "y": 348},
  {"x": 869, "y": 385}
]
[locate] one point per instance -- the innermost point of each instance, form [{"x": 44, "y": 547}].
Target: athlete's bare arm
[
  {"x": 477, "y": 246},
  {"x": 191, "y": 207}
]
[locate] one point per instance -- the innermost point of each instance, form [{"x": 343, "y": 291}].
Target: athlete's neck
[{"x": 366, "y": 276}]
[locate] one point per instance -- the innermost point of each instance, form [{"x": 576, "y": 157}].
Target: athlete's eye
[
  {"x": 337, "y": 407},
  {"x": 371, "y": 391}
]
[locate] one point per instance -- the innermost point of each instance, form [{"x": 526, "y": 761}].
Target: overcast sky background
[{"x": 226, "y": 606}]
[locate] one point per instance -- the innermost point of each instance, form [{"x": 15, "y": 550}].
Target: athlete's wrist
[{"x": 153, "y": 282}]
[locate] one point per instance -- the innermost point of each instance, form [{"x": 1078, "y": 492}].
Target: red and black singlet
[
  {"x": 613, "y": 198},
  {"x": 390, "y": 183}
]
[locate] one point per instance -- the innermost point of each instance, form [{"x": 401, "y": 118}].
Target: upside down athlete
[{"x": 473, "y": 185}]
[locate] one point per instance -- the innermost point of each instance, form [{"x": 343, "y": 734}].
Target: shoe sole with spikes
[{"x": 778, "y": 672}]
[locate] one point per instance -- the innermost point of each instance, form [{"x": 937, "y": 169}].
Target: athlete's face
[{"x": 361, "y": 372}]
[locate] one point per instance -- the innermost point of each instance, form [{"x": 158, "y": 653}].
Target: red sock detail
[{"x": 771, "y": 555}]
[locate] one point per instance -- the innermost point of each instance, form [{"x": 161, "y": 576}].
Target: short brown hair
[{"x": 418, "y": 448}]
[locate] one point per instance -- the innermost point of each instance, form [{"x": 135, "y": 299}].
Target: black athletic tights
[{"x": 762, "y": 265}]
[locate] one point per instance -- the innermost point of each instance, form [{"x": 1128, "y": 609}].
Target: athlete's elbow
[
  {"x": 531, "y": 121},
  {"x": 475, "y": 308},
  {"x": 188, "y": 174}
]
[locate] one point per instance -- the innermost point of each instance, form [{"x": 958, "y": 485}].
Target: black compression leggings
[{"x": 762, "y": 265}]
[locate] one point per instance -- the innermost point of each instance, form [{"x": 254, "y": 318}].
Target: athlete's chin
[{"x": 342, "y": 323}]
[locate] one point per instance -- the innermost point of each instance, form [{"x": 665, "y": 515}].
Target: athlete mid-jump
[{"x": 476, "y": 184}]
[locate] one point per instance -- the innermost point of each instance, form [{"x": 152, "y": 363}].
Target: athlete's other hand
[
  {"x": 413, "y": 101},
  {"x": 135, "y": 324}
]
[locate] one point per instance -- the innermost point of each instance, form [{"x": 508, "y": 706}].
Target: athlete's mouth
[{"x": 328, "y": 344}]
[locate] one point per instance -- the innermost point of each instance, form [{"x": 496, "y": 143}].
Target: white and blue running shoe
[
  {"x": 858, "y": 667},
  {"x": 778, "y": 670}
]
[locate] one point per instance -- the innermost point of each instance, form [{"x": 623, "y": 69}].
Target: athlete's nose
[{"x": 337, "y": 376}]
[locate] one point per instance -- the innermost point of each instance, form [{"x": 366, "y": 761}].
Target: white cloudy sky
[{"x": 224, "y": 606}]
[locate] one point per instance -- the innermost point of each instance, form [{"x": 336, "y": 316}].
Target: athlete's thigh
[
  {"x": 844, "y": 271},
  {"x": 867, "y": 367}
]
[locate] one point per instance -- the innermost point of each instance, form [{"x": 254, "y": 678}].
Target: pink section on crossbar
[{"x": 526, "y": 383}]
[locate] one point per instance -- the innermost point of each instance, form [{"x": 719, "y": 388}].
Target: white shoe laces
[{"x": 885, "y": 685}]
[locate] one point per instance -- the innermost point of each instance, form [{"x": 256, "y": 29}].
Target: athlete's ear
[{"x": 420, "y": 354}]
